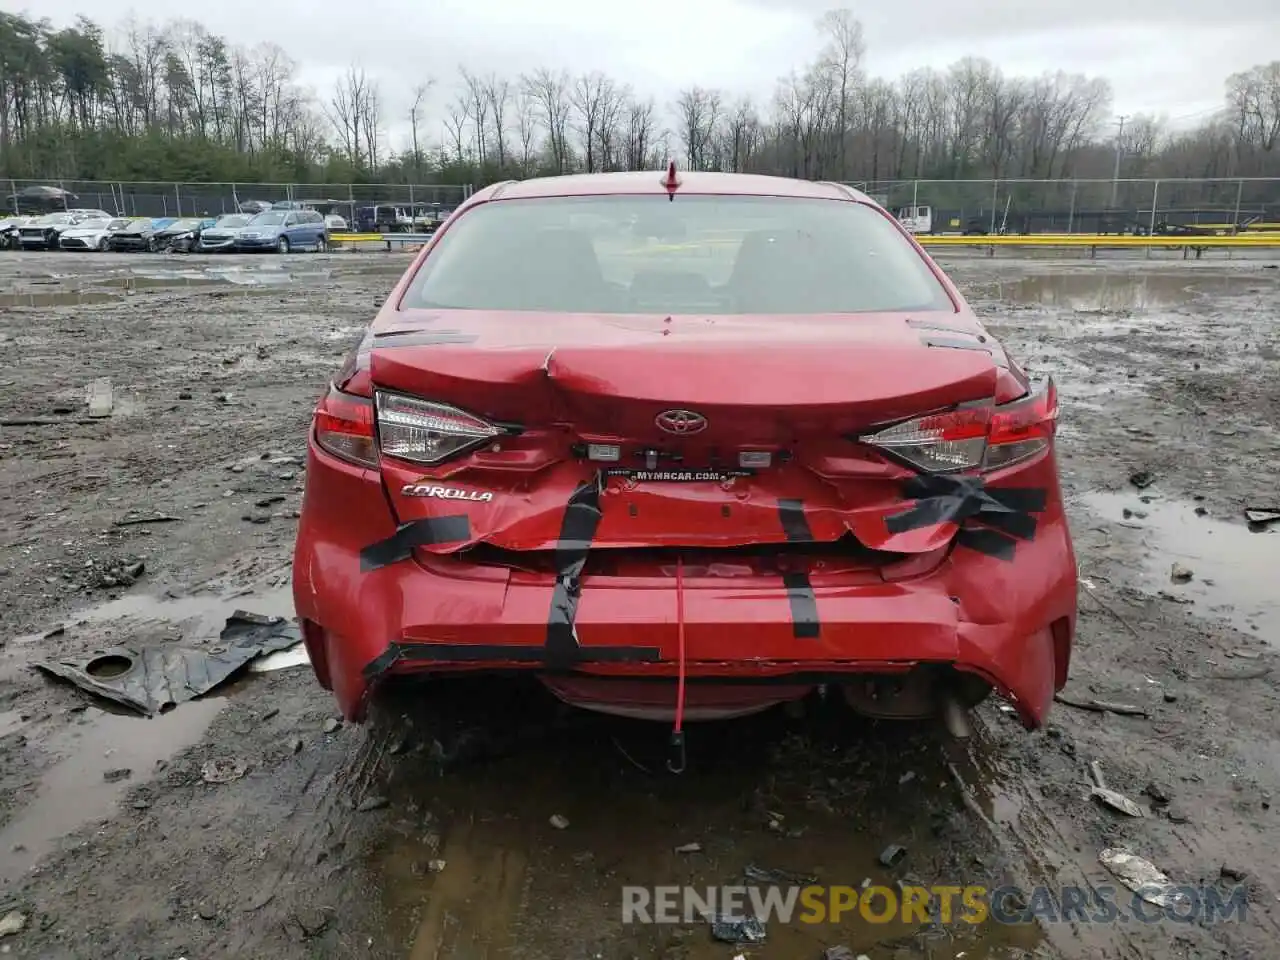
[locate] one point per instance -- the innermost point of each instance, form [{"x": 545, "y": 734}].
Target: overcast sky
[{"x": 1161, "y": 56}]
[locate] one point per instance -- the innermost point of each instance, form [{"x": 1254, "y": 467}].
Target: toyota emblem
[{"x": 683, "y": 423}]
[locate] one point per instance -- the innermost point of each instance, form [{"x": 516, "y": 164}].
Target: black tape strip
[
  {"x": 1020, "y": 525},
  {"x": 416, "y": 533},
  {"x": 1024, "y": 499},
  {"x": 804, "y": 605},
  {"x": 925, "y": 514},
  {"x": 941, "y": 498},
  {"x": 577, "y": 529},
  {"x": 383, "y": 662},
  {"x": 991, "y": 542},
  {"x": 1007, "y": 513},
  {"x": 794, "y": 524},
  {"x": 498, "y": 653},
  {"x": 422, "y": 338}
]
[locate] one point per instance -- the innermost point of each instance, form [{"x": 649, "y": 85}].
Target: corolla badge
[
  {"x": 682, "y": 423},
  {"x": 424, "y": 488}
]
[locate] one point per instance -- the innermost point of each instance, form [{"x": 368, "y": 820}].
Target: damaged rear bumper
[{"x": 748, "y": 641}]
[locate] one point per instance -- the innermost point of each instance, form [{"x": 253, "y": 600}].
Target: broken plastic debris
[
  {"x": 222, "y": 771},
  {"x": 1262, "y": 516},
  {"x": 15, "y": 921},
  {"x": 773, "y": 877},
  {"x": 892, "y": 855},
  {"x": 1116, "y": 801},
  {"x": 740, "y": 930},
  {"x": 1142, "y": 877},
  {"x": 1141, "y": 479},
  {"x": 295, "y": 656},
  {"x": 150, "y": 679},
  {"x": 1102, "y": 706}
]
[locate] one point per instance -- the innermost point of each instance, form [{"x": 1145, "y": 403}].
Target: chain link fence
[
  {"x": 954, "y": 206},
  {"x": 1080, "y": 206},
  {"x": 167, "y": 199}
]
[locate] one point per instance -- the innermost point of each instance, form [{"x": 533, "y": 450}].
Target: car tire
[
  {"x": 102, "y": 245},
  {"x": 151, "y": 245},
  {"x": 282, "y": 245}
]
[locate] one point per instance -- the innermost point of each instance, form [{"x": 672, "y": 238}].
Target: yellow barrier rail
[
  {"x": 1091, "y": 240},
  {"x": 1098, "y": 240}
]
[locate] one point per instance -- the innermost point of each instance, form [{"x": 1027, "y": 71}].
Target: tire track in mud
[
  {"x": 1029, "y": 836},
  {"x": 322, "y": 816}
]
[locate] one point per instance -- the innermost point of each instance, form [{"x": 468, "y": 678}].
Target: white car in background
[
  {"x": 334, "y": 223},
  {"x": 91, "y": 234},
  {"x": 9, "y": 226}
]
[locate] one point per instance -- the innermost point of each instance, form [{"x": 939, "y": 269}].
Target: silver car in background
[
  {"x": 91, "y": 234},
  {"x": 222, "y": 235}
]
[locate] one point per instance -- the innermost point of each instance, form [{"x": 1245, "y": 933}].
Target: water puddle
[
  {"x": 472, "y": 868},
  {"x": 81, "y": 786},
  {"x": 85, "y": 783},
  {"x": 101, "y": 288},
  {"x": 64, "y": 298},
  {"x": 1233, "y": 568},
  {"x": 208, "y": 611},
  {"x": 1108, "y": 292}
]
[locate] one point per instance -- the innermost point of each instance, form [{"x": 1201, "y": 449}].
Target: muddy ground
[{"x": 428, "y": 833}]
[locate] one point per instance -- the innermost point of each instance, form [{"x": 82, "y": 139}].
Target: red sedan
[{"x": 686, "y": 445}]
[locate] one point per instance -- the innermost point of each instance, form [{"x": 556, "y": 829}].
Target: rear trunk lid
[{"x": 794, "y": 391}]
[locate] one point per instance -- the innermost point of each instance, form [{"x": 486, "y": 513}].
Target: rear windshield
[{"x": 696, "y": 254}]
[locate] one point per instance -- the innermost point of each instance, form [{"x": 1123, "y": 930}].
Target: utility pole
[{"x": 1115, "y": 176}]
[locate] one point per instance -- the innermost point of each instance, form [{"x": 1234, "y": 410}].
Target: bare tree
[
  {"x": 498, "y": 94},
  {"x": 843, "y": 53},
  {"x": 613, "y": 106},
  {"x": 420, "y": 92},
  {"x": 640, "y": 134},
  {"x": 742, "y": 133},
  {"x": 455, "y": 125},
  {"x": 346, "y": 113},
  {"x": 550, "y": 92},
  {"x": 279, "y": 101},
  {"x": 589, "y": 97},
  {"x": 475, "y": 99},
  {"x": 371, "y": 118},
  {"x": 526, "y": 129},
  {"x": 698, "y": 111}
]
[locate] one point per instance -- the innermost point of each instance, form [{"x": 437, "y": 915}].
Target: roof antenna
[{"x": 671, "y": 180}]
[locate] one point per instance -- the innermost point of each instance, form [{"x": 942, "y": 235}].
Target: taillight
[
  {"x": 425, "y": 432},
  {"x": 974, "y": 437},
  {"x": 1023, "y": 428},
  {"x": 344, "y": 428}
]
